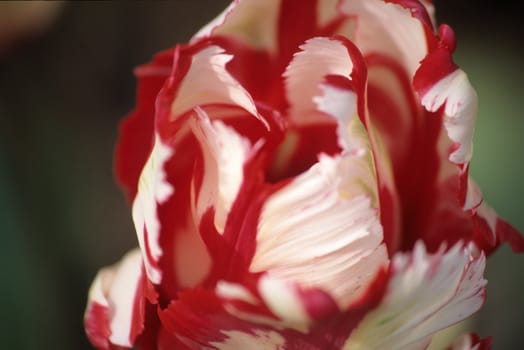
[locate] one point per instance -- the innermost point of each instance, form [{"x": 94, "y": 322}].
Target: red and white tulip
[{"x": 298, "y": 176}]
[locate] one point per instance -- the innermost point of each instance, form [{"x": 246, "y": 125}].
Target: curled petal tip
[{"x": 447, "y": 37}]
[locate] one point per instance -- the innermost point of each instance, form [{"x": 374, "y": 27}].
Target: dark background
[{"x": 62, "y": 93}]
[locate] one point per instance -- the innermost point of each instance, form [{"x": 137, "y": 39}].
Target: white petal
[
  {"x": 460, "y": 100},
  {"x": 321, "y": 228},
  {"x": 208, "y": 82},
  {"x": 306, "y": 72},
  {"x": 342, "y": 105},
  {"x": 427, "y": 293},
  {"x": 153, "y": 189},
  {"x": 225, "y": 154}
]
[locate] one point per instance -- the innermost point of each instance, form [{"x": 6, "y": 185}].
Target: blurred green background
[{"x": 63, "y": 91}]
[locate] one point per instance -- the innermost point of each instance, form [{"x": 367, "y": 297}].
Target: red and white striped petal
[
  {"x": 225, "y": 154},
  {"x": 275, "y": 314},
  {"x": 393, "y": 36},
  {"x": 334, "y": 75},
  {"x": 289, "y": 307},
  {"x": 260, "y": 25},
  {"x": 319, "y": 58},
  {"x": 459, "y": 99},
  {"x": 341, "y": 104},
  {"x": 446, "y": 92},
  {"x": 387, "y": 29},
  {"x": 426, "y": 293},
  {"x": 116, "y": 302},
  {"x": 153, "y": 189},
  {"x": 205, "y": 82},
  {"x": 321, "y": 228},
  {"x": 208, "y": 82},
  {"x": 283, "y": 299}
]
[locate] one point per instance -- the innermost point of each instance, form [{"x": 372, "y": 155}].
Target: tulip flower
[{"x": 298, "y": 179}]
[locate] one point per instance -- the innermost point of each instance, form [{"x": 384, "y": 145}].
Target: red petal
[
  {"x": 96, "y": 323},
  {"x": 136, "y": 130}
]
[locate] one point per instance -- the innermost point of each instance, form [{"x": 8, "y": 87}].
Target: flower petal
[
  {"x": 321, "y": 228},
  {"x": 264, "y": 35},
  {"x": 199, "y": 320},
  {"x": 164, "y": 219},
  {"x": 388, "y": 29},
  {"x": 492, "y": 231},
  {"x": 136, "y": 130},
  {"x": 208, "y": 82},
  {"x": 426, "y": 293},
  {"x": 153, "y": 189},
  {"x": 337, "y": 92},
  {"x": 459, "y": 99},
  {"x": 225, "y": 153},
  {"x": 235, "y": 315},
  {"x": 283, "y": 300},
  {"x": 446, "y": 93},
  {"x": 319, "y": 58},
  {"x": 250, "y": 21},
  {"x": 115, "y": 309}
]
